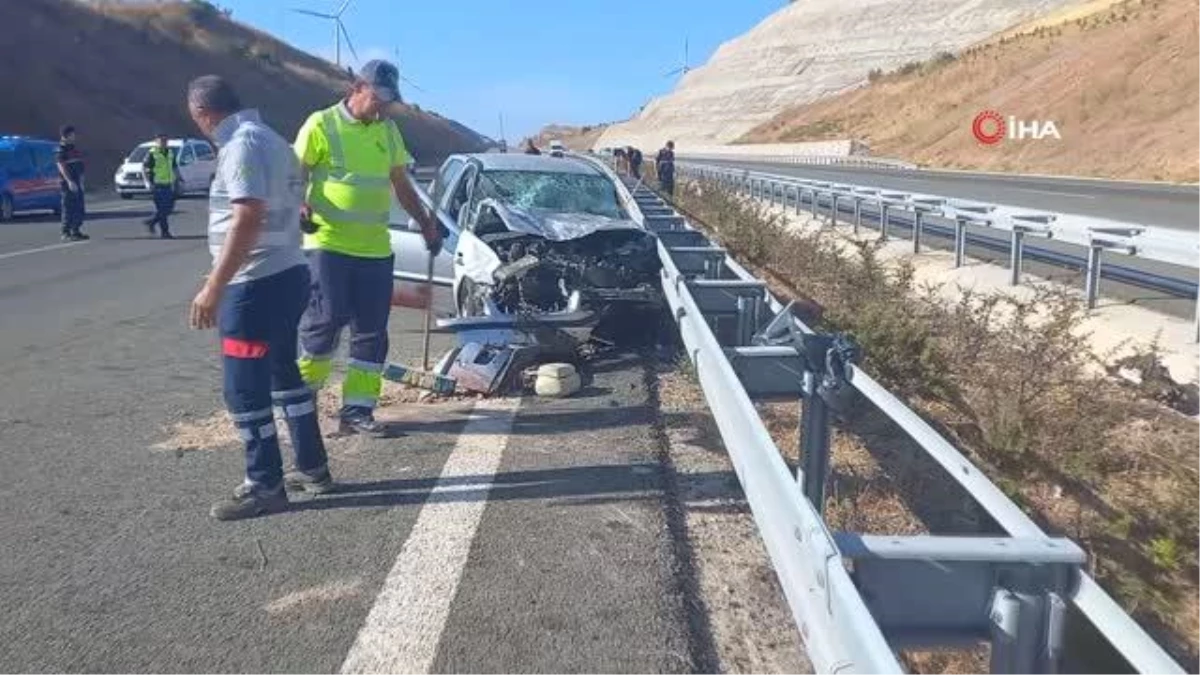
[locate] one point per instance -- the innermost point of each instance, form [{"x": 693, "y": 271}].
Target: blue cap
[{"x": 383, "y": 77}]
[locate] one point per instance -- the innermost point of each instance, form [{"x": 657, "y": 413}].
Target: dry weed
[{"x": 1010, "y": 381}]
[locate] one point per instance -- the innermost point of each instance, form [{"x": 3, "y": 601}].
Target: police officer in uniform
[
  {"x": 160, "y": 170},
  {"x": 355, "y": 159},
  {"x": 70, "y": 170}
]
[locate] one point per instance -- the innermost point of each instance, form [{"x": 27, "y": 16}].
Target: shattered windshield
[{"x": 553, "y": 192}]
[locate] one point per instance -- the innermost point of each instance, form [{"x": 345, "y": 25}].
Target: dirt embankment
[
  {"x": 1121, "y": 86},
  {"x": 119, "y": 73}
]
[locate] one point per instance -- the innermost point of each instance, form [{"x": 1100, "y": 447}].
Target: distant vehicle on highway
[
  {"x": 532, "y": 235},
  {"x": 197, "y": 165},
  {"x": 557, "y": 148},
  {"x": 28, "y": 176}
]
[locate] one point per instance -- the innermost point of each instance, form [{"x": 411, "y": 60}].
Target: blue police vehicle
[{"x": 29, "y": 179}]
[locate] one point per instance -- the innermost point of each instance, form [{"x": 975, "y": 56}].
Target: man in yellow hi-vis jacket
[{"x": 354, "y": 158}]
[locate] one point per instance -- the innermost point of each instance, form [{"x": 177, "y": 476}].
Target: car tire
[{"x": 6, "y": 208}]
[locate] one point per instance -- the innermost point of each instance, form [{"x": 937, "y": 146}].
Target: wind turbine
[
  {"x": 396, "y": 51},
  {"x": 339, "y": 30},
  {"x": 686, "y": 67}
]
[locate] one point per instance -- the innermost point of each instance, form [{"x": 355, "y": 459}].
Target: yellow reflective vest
[
  {"x": 349, "y": 187},
  {"x": 164, "y": 167}
]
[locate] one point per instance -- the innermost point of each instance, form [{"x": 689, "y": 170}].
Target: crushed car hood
[{"x": 554, "y": 226}]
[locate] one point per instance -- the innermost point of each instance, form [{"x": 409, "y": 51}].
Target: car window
[
  {"x": 443, "y": 179},
  {"x": 139, "y": 153},
  {"x": 204, "y": 151},
  {"x": 187, "y": 157},
  {"x": 25, "y": 159},
  {"x": 45, "y": 158},
  {"x": 462, "y": 192},
  {"x": 553, "y": 192}
]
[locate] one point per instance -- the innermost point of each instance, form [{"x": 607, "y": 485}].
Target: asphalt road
[
  {"x": 1174, "y": 206},
  {"x": 518, "y": 535},
  {"x": 1165, "y": 205}
]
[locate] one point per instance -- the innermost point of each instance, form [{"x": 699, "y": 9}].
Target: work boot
[
  {"x": 361, "y": 421},
  {"x": 67, "y": 236},
  {"x": 317, "y": 483},
  {"x": 79, "y": 236},
  {"x": 250, "y": 501},
  {"x": 149, "y": 223},
  {"x": 167, "y": 235}
]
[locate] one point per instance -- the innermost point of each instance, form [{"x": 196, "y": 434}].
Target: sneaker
[
  {"x": 167, "y": 235},
  {"x": 79, "y": 236},
  {"x": 250, "y": 501},
  {"x": 313, "y": 484},
  {"x": 68, "y": 237},
  {"x": 362, "y": 423},
  {"x": 149, "y": 223}
]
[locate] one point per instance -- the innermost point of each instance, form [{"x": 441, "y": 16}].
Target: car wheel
[{"x": 6, "y": 208}]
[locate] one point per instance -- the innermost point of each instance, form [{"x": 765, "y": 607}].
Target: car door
[
  {"x": 187, "y": 167},
  {"x": 206, "y": 164},
  {"x": 408, "y": 245},
  {"x": 23, "y": 179},
  {"x": 47, "y": 176}
]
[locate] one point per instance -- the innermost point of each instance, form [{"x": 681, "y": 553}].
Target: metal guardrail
[
  {"x": 883, "y": 209},
  {"x": 859, "y": 161},
  {"x": 858, "y": 598}
]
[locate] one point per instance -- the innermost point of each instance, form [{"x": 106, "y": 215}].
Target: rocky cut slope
[
  {"x": 119, "y": 71},
  {"x": 809, "y": 50},
  {"x": 1121, "y": 84}
]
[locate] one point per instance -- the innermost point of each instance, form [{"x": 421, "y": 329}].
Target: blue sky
[{"x": 535, "y": 61}]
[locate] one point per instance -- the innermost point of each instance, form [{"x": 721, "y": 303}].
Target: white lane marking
[
  {"x": 402, "y": 631},
  {"x": 65, "y": 244},
  {"x": 51, "y": 247}
]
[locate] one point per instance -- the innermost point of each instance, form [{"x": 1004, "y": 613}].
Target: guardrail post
[
  {"x": 799, "y": 199},
  {"x": 960, "y": 241},
  {"x": 749, "y": 310},
  {"x": 1015, "y": 254},
  {"x": 883, "y": 221},
  {"x": 918, "y": 218},
  {"x": 827, "y": 359},
  {"x": 857, "y": 214},
  {"x": 814, "y": 202},
  {"x": 1196, "y": 316},
  {"x": 833, "y": 214},
  {"x": 1028, "y": 620},
  {"x": 814, "y": 443},
  {"x": 1092, "y": 284}
]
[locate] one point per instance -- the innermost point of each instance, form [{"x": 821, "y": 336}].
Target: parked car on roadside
[
  {"x": 197, "y": 165},
  {"x": 28, "y": 176}
]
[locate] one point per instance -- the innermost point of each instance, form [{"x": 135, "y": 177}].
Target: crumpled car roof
[{"x": 555, "y": 226}]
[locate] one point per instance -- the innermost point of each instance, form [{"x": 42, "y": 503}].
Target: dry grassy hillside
[
  {"x": 119, "y": 73},
  {"x": 575, "y": 138},
  {"x": 1121, "y": 86}
]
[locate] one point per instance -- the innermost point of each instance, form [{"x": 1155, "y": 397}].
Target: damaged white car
[{"x": 536, "y": 239}]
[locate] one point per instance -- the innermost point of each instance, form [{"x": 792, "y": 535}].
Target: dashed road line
[{"x": 402, "y": 631}]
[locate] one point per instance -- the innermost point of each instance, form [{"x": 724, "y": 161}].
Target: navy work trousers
[
  {"x": 72, "y": 211},
  {"x": 258, "y": 323},
  {"x": 164, "y": 204},
  {"x": 355, "y": 292}
]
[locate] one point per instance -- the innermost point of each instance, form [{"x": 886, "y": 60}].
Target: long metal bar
[
  {"x": 841, "y": 635},
  {"x": 815, "y": 582}
]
